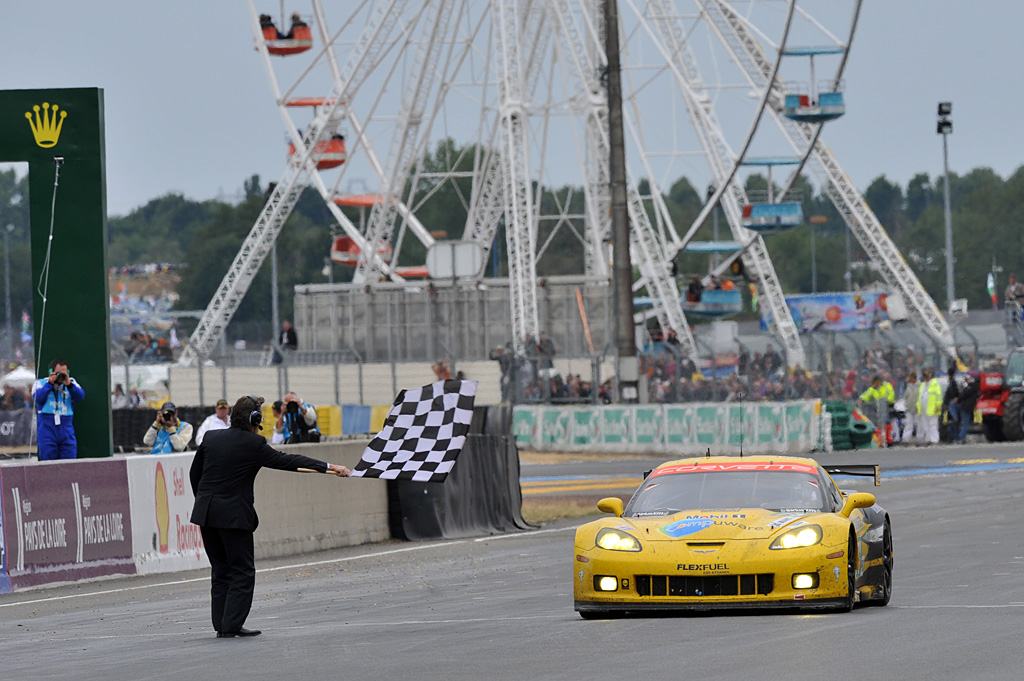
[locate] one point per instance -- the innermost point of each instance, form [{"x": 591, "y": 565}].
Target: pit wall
[
  {"x": 72, "y": 520},
  {"x": 677, "y": 429}
]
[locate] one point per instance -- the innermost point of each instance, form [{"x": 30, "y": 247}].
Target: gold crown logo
[{"x": 47, "y": 129}]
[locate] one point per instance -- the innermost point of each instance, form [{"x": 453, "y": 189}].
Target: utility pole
[
  {"x": 625, "y": 336},
  {"x": 944, "y": 127}
]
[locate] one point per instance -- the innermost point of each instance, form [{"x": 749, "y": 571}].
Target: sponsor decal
[
  {"x": 836, "y": 571},
  {"x": 163, "y": 514},
  {"x": 784, "y": 520},
  {"x": 702, "y": 567},
  {"x": 687, "y": 526},
  {"x": 732, "y": 467}
]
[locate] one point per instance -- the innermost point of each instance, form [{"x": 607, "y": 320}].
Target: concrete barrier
[
  {"x": 305, "y": 513},
  {"x": 71, "y": 520}
]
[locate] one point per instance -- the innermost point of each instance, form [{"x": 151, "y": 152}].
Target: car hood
[{"x": 717, "y": 525}]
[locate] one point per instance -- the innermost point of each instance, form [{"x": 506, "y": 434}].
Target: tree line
[{"x": 987, "y": 215}]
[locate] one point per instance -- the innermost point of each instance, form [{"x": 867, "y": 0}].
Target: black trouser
[{"x": 233, "y": 575}]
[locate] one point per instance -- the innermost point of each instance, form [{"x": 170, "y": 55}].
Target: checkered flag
[{"x": 423, "y": 434}]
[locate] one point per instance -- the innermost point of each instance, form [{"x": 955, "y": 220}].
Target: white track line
[{"x": 346, "y": 559}]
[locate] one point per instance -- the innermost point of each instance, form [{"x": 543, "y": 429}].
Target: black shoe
[{"x": 241, "y": 632}]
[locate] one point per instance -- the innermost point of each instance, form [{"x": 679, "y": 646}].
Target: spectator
[
  {"x": 218, "y": 420},
  {"x": 912, "y": 420},
  {"x": 299, "y": 421},
  {"x": 266, "y": 22},
  {"x": 297, "y": 22},
  {"x": 930, "y": 406},
  {"x": 278, "y": 410},
  {"x": 694, "y": 290},
  {"x": 168, "y": 433},
  {"x": 289, "y": 340},
  {"x": 134, "y": 399},
  {"x": 504, "y": 357},
  {"x": 119, "y": 400},
  {"x": 55, "y": 397},
  {"x": 442, "y": 369},
  {"x": 881, "y": 396},
  {"x": 546, "y": 350},
  {"x": 1014, "y": 292},
  {"x": 968, "y": 400}
]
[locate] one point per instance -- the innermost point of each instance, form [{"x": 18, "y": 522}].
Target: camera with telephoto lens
[
  {"x": 168, "y": 416},
  {"x": 293, "y": 407},
  {"x": 61, "y": 378}
]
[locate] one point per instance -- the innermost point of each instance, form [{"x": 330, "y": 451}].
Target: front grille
[{"x": 701, "y": 586}]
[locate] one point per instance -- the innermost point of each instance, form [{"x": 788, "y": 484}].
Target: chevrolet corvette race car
[{"x": 736, "y": 532}]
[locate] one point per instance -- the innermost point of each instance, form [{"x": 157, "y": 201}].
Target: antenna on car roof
[{"x": 708, "y": 455}]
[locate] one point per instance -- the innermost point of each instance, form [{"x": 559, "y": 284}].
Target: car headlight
[
  {"x": 617, "y": 540},
  {"x": 806, "y": 535}
]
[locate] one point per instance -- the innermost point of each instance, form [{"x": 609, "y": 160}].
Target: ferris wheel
[{"x": 505, "y": 100}]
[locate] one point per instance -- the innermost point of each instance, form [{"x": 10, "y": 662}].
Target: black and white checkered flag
[{"x": 423, "y": 434}]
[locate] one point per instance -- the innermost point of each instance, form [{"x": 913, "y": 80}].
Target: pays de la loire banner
[
  {"x": 820, "y": 312},
  {"x": 66, "y": 521}
]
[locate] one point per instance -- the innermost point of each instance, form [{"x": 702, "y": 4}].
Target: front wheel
[
  {"x": 851, "y": 576},
  {"x": 1013, "y": 426}
]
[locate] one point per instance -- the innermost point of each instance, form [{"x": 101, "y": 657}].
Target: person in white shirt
[{"x": 215, "y": 421}]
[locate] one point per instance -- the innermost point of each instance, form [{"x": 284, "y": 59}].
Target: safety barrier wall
[
  {"x": 782, "y": 427},
  {"x": 71, "y": 520}
]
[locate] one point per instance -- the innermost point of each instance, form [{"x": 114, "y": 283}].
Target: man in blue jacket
[{"x": 55, "y": 397}]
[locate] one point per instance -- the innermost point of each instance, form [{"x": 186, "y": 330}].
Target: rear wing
[{"x": 859, "y": 469}]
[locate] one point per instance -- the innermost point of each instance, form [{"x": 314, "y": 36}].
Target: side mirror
[
  {"x": 857, "y": 500},
  {"x": 614, "y": 505}
]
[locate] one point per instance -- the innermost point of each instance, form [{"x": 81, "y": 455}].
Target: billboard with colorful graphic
[
  {"x": 66, "y": 521},
  {"x": 818, "y": 312},
  {"x": 163, "y": 539}
]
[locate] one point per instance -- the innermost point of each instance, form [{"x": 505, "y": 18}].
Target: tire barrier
[{"x": 480, "y": 496}]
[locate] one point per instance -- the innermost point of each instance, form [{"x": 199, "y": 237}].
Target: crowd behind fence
[{"x": 751, "y": 367}]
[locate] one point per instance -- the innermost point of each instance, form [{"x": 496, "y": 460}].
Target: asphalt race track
[{"x": 501, "y": 607}]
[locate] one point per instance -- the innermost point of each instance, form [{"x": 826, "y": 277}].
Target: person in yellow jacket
[
  {"x": 881, "y": 396},
  {"x": 929, "y": 404}
]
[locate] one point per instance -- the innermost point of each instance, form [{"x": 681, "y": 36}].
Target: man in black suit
[{"x": 222, "y": 476}]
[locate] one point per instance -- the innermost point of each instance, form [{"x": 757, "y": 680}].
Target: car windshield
[{"x": 666, "y": 493}]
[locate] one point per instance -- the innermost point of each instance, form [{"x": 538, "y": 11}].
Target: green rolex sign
[{"x": 60, "y": 134}]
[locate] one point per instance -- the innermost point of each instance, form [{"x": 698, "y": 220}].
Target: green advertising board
[
  {"x": 60, "y": 134},
  {"x": 615, "y": 425},
  {"x": 585, "y": 425},
  {"x": 647, "y": 425},
  {"x": 524, "y": 426},
  {"x": 554, "y": 426}
]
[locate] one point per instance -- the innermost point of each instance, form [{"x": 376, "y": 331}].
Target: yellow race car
[{"x": 736, "y": 532}]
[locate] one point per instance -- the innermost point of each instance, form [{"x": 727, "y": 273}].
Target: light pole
[{"x": 944, "y": 127}]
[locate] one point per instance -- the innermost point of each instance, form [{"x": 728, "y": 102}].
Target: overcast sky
[{"x": 188, "y": 107}]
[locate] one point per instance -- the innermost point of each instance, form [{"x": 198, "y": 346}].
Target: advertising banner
[
  {"x": 647, "y": 426},
  {"x": 818, "y": 312},
  {"x": 5, "y": 581},
  {"x": 66, "y": 521},
  {"x": 16, "y": 428},
  {"x": 769, "y": 427},
  {"x": 163, "y": 539},
  {"x": 524, "y": 426},
  {"x": 554, "y": 426},
  {"x": 742, "y": 425},
  {"x": 586, "y": 426},
  {"x": 680, "y": 426},
  {"x": 710, "y": 425},
  {"x": 615, "y": 425}
]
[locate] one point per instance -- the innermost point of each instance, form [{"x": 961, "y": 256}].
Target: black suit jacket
[{"x": 224, "y": 470}]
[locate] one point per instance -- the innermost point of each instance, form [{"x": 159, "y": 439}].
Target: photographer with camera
[
  {"x": 168, "y": 433},
  {"x": 298, "y": 421},
  {"x": 278, "y": 409},
  {"x": 55, "y": 397}
]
